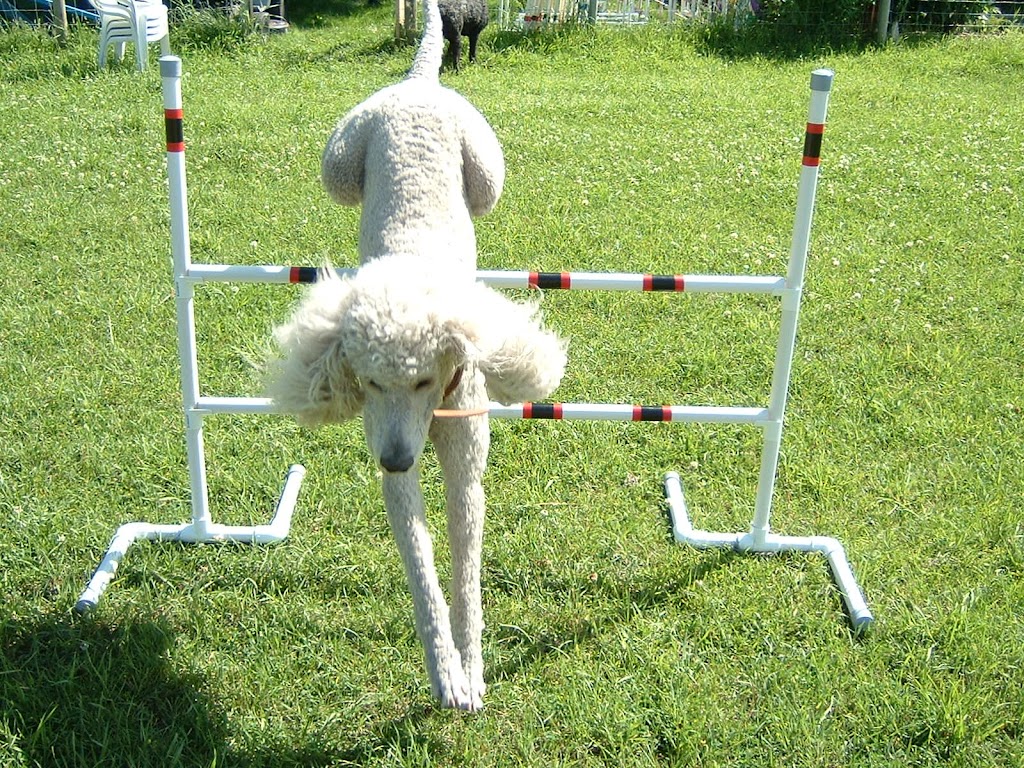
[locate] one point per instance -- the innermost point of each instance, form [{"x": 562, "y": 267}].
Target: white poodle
[{"x": 412, "y": 331}]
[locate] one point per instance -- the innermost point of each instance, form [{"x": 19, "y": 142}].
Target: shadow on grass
[
  {"x": 87, "y": 693},
  {"x": 412, "y": 736},
  {"x": 312, "y": 13},
  {"x": 719, "y": 38},
  {"x": 82, "y": 693},
  {"x": 523, "y": 646}
]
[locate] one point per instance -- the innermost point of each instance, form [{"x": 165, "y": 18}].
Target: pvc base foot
[{"x": 684, "y": 532}]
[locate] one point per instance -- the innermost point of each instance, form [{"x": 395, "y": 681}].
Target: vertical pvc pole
[
  {"x": 170, "y": 73},
  {"x": 821, "y": 85},
  {"x": 884, "y": 8}
]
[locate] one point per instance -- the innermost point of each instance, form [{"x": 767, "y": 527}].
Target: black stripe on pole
[
  {"x": 550, "y": 280},
  {"x": 812, "y": 143},
  {"x": 175, "y": 128},
  {"x": 652, "y": 413},
  {"x": 543, "y": 411},
  {"x": 302, "y": 275},
  {"x": 664, "y": 283}
]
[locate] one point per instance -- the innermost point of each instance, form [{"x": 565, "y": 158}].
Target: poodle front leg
[
  {"x": 461, "y": 446},
  {"x": 404, "y": 502}
]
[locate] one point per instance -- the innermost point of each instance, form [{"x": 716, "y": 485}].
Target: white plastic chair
[{"x": 139, "y": 22}]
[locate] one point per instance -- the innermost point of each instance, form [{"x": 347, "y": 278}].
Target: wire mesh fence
[
  {"x": 41, "y": 11},
  {"x": 832, "y": 20},
  {"x": 769, "y": 23},
  {"x": 950, "y": 16}
]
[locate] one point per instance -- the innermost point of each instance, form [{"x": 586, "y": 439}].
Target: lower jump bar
[
  {"x": 586, "y": 281},
  {"x": 556, "y": 411}
]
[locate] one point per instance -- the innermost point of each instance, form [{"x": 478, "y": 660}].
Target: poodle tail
[{"x": 427, "y": 63}]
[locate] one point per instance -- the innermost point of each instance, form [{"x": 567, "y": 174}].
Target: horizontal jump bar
[
  {"x": 592, "y": 281},
  {"x": 624, "y": 412},
  {"x": 556, "y": 411}
]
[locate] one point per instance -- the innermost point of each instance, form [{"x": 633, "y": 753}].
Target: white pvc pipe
[
  {"x": 860, "y": 615},
  {"x": 577, "y": 281},
  {"x": 759, "y": 539},
  {"x": 223, "y": 273},
  {"x": 684, "y": 533},
  {"x": 682, "y": 529},
  {"x": 196, "y": 407},
  {"x": 821, "y": 85},
  {"x": 565, "y": 411},
  {"x": 170, "y": 73},
  {"x": 277, "y": 530},
  {"x": 236, "y": 405},
  {"x": 201, "y": 529},
  {"x": 624, "y": 412},
  {"x": 632, "y": 281},
  {"x": 693, "y": 414}
]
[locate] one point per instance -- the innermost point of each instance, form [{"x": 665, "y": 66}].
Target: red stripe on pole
[
  {"x": 652, "y": 413},
  {"x": 550, "y": 280},
  {"x": 542, "y": 410},
  {"x": 664, "y": 283},
  {"x": 812, "y": 144},
  {"x": 175, "y": 130}
]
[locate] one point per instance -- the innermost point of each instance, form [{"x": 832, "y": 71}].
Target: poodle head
[{"x": 392, "y": 340}]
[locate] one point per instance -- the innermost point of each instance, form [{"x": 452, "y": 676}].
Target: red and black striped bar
[
  {"x": 652, "y": 413},
  {"x": 543, "y": 280},
  {"x": 550, "y": 280},
  {"x": 302, "y": 274},
  {"x": 174, "y": 125},
  {"x": 542, "y": 411},
  {"x": 812, "y": 143},
  {"x": 555, "y": 411},
  {"x": 645, "y": 282},
  {"x": 673, "y": 283}
]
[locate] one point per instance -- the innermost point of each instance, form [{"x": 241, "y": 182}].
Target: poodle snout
[
  {"x": 396, "y": 420},
  {"x": 397, "y": 457}
]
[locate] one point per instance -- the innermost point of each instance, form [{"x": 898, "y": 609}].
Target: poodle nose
[{"x": 397, "y": 458}]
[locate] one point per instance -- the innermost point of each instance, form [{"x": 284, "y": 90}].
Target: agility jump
[{"x": 787, "y": 288}]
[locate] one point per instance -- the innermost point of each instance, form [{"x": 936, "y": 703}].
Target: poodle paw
[
  {"x": 475, "y": 677},
  {"x": 455, "y": 691},
  {"x": 476, "y": 693}
]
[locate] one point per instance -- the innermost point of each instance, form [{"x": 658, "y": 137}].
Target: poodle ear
[
  {"x": 460, "y": 334},
  {"x": 342, "y": 167},
  {"x": 483, "y": 164},
  {"x": 520, "y": 359},
  {"x": 312, "y": 379}
]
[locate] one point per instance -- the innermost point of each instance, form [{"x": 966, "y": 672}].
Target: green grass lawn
[{"x": 606, "y": 642}]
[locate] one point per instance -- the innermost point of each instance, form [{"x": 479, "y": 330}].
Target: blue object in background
[{"x": 30, "y": 11}]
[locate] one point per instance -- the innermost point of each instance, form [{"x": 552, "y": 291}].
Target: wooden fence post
[{"x": 405, "y": 21}]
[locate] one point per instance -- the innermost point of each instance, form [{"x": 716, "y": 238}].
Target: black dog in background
[{"x": 462, "y": 18}]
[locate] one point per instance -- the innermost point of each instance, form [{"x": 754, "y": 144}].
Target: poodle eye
[
  {"x": 371, "y": 384},
  {"x": 424, "y": 384}
]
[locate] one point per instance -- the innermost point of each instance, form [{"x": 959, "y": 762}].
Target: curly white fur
[{"x": 412, "y": 330}]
